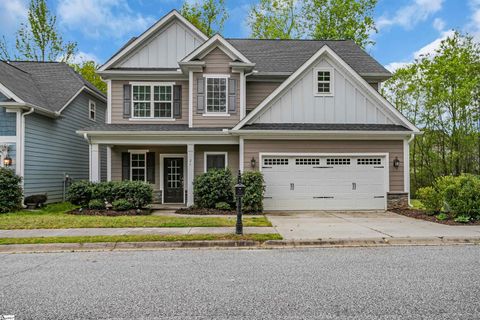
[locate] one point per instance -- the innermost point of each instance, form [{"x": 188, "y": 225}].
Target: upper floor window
[
  {"x": 152, "y": 100},
  {"x": 92, "y": 110},
  {"x": 323, "y": 81},
  {"x": 216, "y": 95}
]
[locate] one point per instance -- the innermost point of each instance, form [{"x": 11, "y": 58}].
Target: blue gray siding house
[{"x": 42, "y": 105}]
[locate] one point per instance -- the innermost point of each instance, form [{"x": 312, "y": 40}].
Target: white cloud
[
  {"x": 394, "y": 66},
  {"x": 408, "y": 16},
  {"x": 99, "y": 18},
  {"x": 84, "y": 56},
  {"x": 439, "y": 24},
  {"x": 12, "y": 13},
  {"x": 473, "y": 26},
  {"x": 432, "y": 46}
]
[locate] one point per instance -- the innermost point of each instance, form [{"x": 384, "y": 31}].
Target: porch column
[
  {"x": 94, "y": 163},
  {"x": 109, "y": 163},
  {"x": 190, "y": 173}
]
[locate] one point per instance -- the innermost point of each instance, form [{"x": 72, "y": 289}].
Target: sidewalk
[{"x": 26, "y": 233}]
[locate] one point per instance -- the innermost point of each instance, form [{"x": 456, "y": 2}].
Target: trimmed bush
[
  {"x": 213, "y": 187},
  {"x": 11, "y": 192},
  {"x": 80, "y": 193},
  {"x": 252, "y": 200},
  {"x": 121, "y": 205},
  {"x": 138, "y": 193},
  {"x": 223, "y": 206},
  {"x": 462, "y": 196},
  {"x": 431, "y": 199},
  {"x": 96, "y": 204}
]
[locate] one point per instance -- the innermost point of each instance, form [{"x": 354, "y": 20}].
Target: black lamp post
[{"x": 239, "y": 191}]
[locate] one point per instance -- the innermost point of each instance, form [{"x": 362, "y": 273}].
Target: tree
[
  {"x": 340, "y": 19},
  {"x": 208, "y": 15},
  {"x": 274, "y": 19},
  {"x": 88, "y": 70},
  {"x": 38, "y": 39}
]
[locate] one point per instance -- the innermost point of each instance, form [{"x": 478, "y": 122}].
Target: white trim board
[{"x": 173, "y": 155}]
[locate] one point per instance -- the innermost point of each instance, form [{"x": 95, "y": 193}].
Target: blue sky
[{"x": 407, "y": 28}]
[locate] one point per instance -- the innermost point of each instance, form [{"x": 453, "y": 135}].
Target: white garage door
[{"x": 324, "y": 182}]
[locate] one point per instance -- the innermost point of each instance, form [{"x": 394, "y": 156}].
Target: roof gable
[
  {"x": 294, "y": 101},
  {"x": 161, "y": 46}
]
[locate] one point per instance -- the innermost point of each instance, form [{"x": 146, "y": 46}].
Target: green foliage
[
  {"x": 442, "y": 216},
  {"x": 138, "y": 193},
  {"x": 223, "y": 206},
  {"x": 96, "y": 204},
  {"x": 252, "y": 200},
  {"x": 315, "y": 19},
  {"x": 431, "y": 199},
  {"x": 11, "y": 192},
  {"x": 121, "y": 205},
  {"x": 213, "y": 187},
  {"x": 439, "y": 93},
  {"x": 462, "y": 219},
  {"x": 38, "y": 39},
  {"x": 462, "y": 196},
  {"x": 207, "y": 15},
  {"x": 88, "y": 70}
]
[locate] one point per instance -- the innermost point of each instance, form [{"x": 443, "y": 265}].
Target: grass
[
  {"x": 54, "y": 217},
  {"x": 140, "y": 238}
]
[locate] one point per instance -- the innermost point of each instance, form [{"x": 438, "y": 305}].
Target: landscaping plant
[
  {"x": 252, "y": 200},
  {"x": 121, "y": 205},
  {"x": 11, "y": 192},
  {"x": 213, "y": 187}
]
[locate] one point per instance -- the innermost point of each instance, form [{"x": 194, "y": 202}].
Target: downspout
[
  {"x": 22, "y": 147},
  {"x": 412, "y": 136}
]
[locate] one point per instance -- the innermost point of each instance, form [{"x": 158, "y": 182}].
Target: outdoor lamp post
[{"x": 239, "y": 191}]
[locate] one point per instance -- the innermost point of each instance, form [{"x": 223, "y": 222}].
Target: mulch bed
[
  {"x": 206, "y": 212},
  {"x": 420, "y": 214},
  {"x": 110, "y": 213}
]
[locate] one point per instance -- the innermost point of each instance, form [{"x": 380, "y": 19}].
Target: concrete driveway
[{"x": 323, "y": 225}]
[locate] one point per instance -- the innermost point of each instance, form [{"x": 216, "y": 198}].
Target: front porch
[{"x": 169, "y": 168}]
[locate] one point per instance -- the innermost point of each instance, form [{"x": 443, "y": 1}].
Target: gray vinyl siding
[
  {"x": 53, "y": 148},
  {"x": 8, "y": 123},
  {"x": 3, "y": 98}
]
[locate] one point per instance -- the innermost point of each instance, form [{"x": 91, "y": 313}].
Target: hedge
[{"x": 11, "y": 192}]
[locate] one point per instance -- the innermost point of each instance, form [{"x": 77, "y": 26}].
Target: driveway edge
[{"x": 237, "y": 244}]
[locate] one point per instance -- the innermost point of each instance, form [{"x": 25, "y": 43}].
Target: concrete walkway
[
  {"x": 324, "y": 225},
  {"x": 22, "y": 233}
]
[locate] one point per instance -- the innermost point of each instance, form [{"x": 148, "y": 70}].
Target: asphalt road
[{"x": 345, "y": 283}]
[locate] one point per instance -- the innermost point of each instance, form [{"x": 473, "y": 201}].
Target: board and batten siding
[
  {"x": 350, "y": 103},
  {"x": 164, "y": 49},
  {"x": 117, "y": 103},
  {"x": 257, "y": 91},
  {"x": 252, "y": 148},
  {"x": 53, "y": 148},
  {"x": 216, "y": 62}
]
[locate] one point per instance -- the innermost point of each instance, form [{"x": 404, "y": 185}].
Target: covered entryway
[{"x": 325, "y": 182}]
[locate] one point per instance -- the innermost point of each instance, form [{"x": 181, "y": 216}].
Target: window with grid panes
[{"x": 216, "y": 95}]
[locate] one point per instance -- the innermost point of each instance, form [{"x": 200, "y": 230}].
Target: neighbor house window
[
  {"x": 216, "y": 95},
  {"x": 323, "y": 82},
  {"x": 152, "y": 100},
  {"x": 215, "y": 160},
  {"x": 138, "y": 166},
  {"x": 92, "y": 110}
]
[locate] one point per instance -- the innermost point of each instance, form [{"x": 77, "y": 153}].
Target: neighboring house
[
  {"x": 42, "y": 105},
  {"x": 307, "y": 114}
]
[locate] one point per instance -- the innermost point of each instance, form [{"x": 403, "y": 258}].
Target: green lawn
[
  {"x": 54, "y": 217},
  {"x": 140, "y": 238}
]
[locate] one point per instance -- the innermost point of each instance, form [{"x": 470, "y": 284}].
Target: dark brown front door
[{"x": 173, "y": 180}]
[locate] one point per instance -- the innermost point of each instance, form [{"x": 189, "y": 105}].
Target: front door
[{"x": 173, "y": 180}]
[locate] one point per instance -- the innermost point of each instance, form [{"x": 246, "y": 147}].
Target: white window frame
[
  {"x": 94, "y": 104},
  {"x": 132, "y": 152},
  {"x": 214, "y": 153},
  {"x": 152, "y": 100},
  {"x": 216, "y": 76},
  {"x": 331, "y": 82}
]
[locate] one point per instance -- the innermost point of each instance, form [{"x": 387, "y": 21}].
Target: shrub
[
  {"x": 11, "y": 192},
  {"x": 223, "y": 206},
  {"x": 442, "y": 216},
  {"x": 121, "y": 205},
  {"x": 213, "y": 187},
  {"x": 106, "y": 190},
  {"x": 96, "y": 204},
  {"x": 462, "y": 196},
  {"x": 431, "y": 199},
  {"x": 252, "y": 200},
  {"x": 138, "y": 193},
  {"x": 80, "y": 193},
  {"x": 462, "y": 219}
]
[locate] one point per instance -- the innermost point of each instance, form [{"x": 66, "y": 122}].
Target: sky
[{"x": 406, "y": 28}]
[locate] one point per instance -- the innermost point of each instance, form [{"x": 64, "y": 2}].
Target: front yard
[{"x": 55, "y": 217}]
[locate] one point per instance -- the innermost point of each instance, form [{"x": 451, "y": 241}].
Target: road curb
[{"x": 237, "y": 244}]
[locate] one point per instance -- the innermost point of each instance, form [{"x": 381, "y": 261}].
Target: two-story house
[{"x": 306, "y": 113}]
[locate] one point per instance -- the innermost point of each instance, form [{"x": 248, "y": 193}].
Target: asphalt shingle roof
[
  {"x": 49, "y": 85},
  {"x": 325, "y": 127},
  {"x": 288, "y": 55},
  {"x": 146, "y": 127}
]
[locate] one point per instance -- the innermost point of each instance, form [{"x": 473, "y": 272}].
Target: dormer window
[
  {"x": 323, "y": 82},
  {"x": 216, "y": 94}
]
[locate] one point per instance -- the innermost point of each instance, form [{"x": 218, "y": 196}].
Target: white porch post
[
  {"x": 190, "y": 172},
  {"x": 109, "y": 163},
  {"x": 94, "y": 163}
]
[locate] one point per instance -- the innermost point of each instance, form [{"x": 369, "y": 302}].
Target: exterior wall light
[
  {"x": 396, "y": 162},
  {"x": 253, "y": 162},
  {"x": 7, "y": 161}
]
